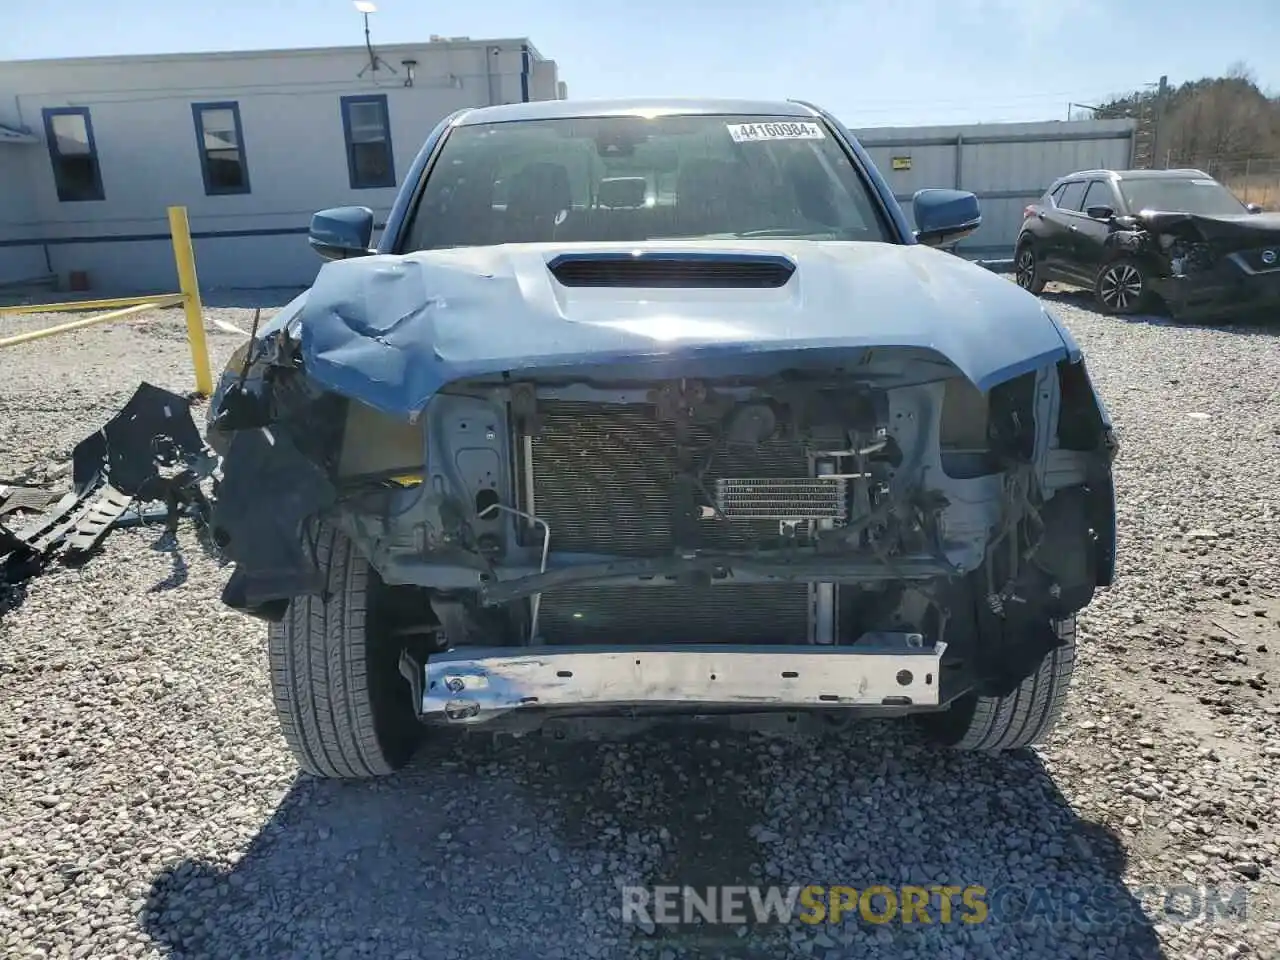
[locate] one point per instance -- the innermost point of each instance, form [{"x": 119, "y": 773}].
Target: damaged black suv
[{"x": 1142, "y": 238}]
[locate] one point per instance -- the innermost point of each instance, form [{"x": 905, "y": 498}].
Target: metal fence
[{"x": 1007, "y": 165}]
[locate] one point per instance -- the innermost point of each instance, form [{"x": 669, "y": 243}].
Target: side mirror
[
  {"x": 342, "y": 232},
  {"x": 1253, "y": 207},
  {"x": 945, "y": 216},
  {"x": 1100, "y": 212}
]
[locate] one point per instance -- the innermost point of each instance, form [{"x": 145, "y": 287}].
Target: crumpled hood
[
  {"x": 1244, "y": 228},
  {"x": 392, "y": 330}
]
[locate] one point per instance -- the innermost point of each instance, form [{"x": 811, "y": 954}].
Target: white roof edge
[{"x": 516, "y": 42}]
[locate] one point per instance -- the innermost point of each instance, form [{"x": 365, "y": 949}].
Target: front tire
[
  {"x": 343, "y": 708},
  {"x": 1026, "y": 269},
  {"x": 1121, "y": 287},
  {"x": 1019, "y": 719}
]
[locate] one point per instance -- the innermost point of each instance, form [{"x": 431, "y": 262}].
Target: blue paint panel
[
  {"x": 353, "y": 174},
  {"x": 197, "y": 112},
  {"x": 65, "y": 192}
]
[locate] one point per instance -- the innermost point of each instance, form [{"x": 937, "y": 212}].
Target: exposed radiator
[
  {"x": 788, "y": 500},
  {"x": 602, "y": 479},
  {"x": 746, "y": 613}
]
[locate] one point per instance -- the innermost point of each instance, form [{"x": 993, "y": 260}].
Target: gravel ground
[{"x": 148, "y": 806}]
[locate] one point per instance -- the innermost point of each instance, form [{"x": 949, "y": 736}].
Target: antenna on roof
[{"x": 366, "y": 7}]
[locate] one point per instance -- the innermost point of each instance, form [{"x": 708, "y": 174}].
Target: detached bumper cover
[{"x": 475, "y": 686}]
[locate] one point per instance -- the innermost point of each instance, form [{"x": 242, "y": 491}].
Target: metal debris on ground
[
  {"x": 22, "y": 553},
  {"x": 94, "y": 523},
  {"x": 31, "y": 499},
  {"x": 151, "y": 451}
]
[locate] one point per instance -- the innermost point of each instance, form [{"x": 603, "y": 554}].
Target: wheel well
[{"x": 1146, "y": 264}]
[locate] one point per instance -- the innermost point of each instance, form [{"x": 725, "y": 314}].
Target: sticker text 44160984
[{"x": 780, "y": 130}]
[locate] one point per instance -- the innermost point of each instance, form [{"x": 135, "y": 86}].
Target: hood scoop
[{"x": 685, "y": 270}]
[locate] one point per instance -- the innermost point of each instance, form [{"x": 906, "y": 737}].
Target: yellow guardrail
[{"x": 124, "y": 308}]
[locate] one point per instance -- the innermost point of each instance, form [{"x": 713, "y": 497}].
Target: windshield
[
  {"x": 1181, "y": 195},
  {"x": 632, "y": 179}
]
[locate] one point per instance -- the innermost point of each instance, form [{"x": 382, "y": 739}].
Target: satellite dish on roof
[{"x": 364, "y": 8}]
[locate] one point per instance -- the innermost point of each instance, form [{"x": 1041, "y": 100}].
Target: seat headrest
[
  {"x": 539, "y": 189},
  {"x": 622, "y": 192}
]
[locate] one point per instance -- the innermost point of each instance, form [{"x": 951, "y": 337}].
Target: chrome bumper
[{"x": 474, "y": 686}]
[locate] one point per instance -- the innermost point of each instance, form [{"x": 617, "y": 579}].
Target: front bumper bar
[
  {"x": 478, "y": 685},
  {"x": 1218, "y": 295}
]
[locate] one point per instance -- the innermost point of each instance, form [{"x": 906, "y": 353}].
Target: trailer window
[
  {"x": 220, "y": 139},
  {"x": 73, "y": 153},
  {"x": 366, "y": 125}
]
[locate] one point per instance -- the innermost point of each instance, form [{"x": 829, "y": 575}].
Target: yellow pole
[
  {"x": 185, "y": 260},
  {"x": 165, "y": 300},
  {"x": 75, "y": 325}
]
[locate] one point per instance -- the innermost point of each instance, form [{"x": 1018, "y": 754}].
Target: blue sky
[{"x": 892, "y": 62}]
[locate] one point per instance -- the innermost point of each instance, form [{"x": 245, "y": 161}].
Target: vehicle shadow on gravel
[
  {"x": 12, "y": 596},
  {"x": 1264, "y": 325},
  {"x": 520, "y": 849},
  {"x": 167, "y": 542}
]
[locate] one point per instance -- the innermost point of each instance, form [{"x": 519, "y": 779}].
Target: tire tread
[
  {"x": 1026, "y": 716},
  {"x": 318, "y": 658}
]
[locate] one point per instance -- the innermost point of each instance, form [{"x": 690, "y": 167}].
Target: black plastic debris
[
  {"x": 151, "y": 451},
  {"x": 153, "y": 430},
  {"x": 92, "y": 525},
  {"x": 23, "y": 552},
  {"x": 10, "y": 541},
  {"x": 262, "y": 533},
  {"x": 25, "y": 499}
]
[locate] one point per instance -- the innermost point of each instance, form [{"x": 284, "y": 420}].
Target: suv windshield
[
  {"x": 631, "y": 179},
  {"x": 1181, "y": 195}
]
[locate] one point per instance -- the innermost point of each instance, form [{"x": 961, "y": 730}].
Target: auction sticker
[{"x": 781, "y": 130}]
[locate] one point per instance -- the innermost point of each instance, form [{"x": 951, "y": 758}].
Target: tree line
[{"x": 1224, "y": 119}]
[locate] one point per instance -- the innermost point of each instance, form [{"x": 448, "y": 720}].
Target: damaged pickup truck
[
  {"x": 658, "y": 411},
  {"x": 1144, "y": 238}
]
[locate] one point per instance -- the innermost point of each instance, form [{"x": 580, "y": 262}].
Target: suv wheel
[
  {"x": 1121, "y": 287},
  {"x": 1026, "y": 269},
  {"x": 343, "y": 707},
  {"x": 1020, "y": 719}
]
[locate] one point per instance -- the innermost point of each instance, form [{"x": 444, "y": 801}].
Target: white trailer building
[{"x": 93, "y": 151}]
